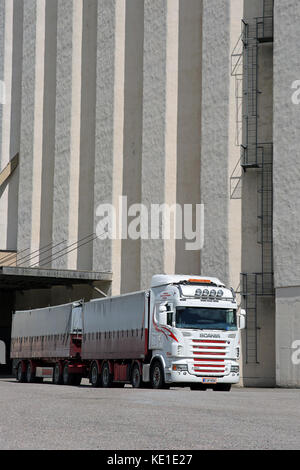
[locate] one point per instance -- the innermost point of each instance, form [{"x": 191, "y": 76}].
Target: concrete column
[
  {"x": 286, "y": 174},
  {"x": 154, "y": 128},
  {"x": 87, "y": 135},
  {"x": 2, "y": 42},
  {"x": 15, "y": 115},
  {"x": 172, "y": 125},
  {"x": 48, "y": 151},
  {"x": 234, "y": 155},
  {"x": 68, "y": 79},
  {"x": 31, "y": 124},
  {"x": 109, "y": 128},
  {"x": 6, "y": 41},
  {"x": 189, "y": 122},
  {"x": 215, "y": 137},
  {"x": 75, "y": 132},
  {"x": 133, "y": 124}
]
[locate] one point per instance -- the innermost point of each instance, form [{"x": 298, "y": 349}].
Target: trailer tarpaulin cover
[{"x": 115, "y": 327}]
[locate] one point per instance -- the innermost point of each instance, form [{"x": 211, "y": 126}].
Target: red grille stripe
[{"x": 210, "y": 347}]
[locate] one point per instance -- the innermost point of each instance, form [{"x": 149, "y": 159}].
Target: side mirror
[
  {"x": 242, "y": 319},
  {"x": 162, "y": 316}
]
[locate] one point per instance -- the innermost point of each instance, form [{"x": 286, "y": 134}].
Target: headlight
[
  {"x": 237, "y": 352},
  {"x": 180, "y": 367},
  {"x": 234, "y": 369},
  {"x": 213, "y": 293},
  {"x": 205, "y": 293},
  {"x": 179, "y": 350}
]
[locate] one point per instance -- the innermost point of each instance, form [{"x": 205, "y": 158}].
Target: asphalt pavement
[{"x": 47, "y": 416}]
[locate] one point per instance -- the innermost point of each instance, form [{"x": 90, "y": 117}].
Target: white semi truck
[{"x": 183, "y": 331}]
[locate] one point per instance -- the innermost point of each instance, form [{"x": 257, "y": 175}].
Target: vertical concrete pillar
[
  {"x": 38, "y": 125},
  {"x": 234, "y": 155},
  {"x": 133, "y": 125},
  {"x": 48, "y": 150},
  {"x": 215, "y": 136},
  {"x": 87, "y": 133},
  {"x": 15, "y": 115},
  {"x": 286, "y": 176},
  {"x": 31, "y": 124},
  {"x": 6, "y": 40},
  {"x": 154, "y": 128},
  {"x": 189, "y": 122},
  {"x": 2, "y": 42},
  {"x": 67, "y": 116},
  {"x": 75, "y": 132},
  {"x": 171, "y": 143},
  {"x": 109, "y": 128}
]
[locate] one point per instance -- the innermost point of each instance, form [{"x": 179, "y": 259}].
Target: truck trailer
[{"x": 183, "y": 331}]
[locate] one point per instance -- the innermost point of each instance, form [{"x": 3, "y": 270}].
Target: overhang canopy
[{"x": 17, "y": 278}]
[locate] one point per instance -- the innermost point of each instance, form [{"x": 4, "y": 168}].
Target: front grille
[{"x": 208, "y": 356}]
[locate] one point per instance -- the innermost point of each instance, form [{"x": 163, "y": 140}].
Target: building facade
[{"x": 160, "y": 102}]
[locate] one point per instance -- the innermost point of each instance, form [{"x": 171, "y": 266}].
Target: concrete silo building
[{"x": 161, "y": 102}]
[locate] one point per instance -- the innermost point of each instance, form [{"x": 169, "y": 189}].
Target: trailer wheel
[
  {"x": 30, "y": 376},
  {"x": 20, "y": 375},
  {"x": 157, "y": 376},
  {"x": 136, "y": 378},
  {"x": 106, "y": 378},
  {"x": 222, "y": 388},
  {"x": 95, "y": 376},
  {"x": 67, "y": 377},
  {"x": 57, "y": 376}
]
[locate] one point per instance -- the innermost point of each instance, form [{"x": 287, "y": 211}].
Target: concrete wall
[{"x": 286, "y": 191}]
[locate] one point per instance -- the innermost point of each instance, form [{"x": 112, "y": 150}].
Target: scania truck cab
[{"x": 194, "y": 332}]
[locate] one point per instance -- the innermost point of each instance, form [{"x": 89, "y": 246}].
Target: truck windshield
[{"x": 206, "y": 318}]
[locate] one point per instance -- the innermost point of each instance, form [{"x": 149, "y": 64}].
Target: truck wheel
[
  {"x": 30, "y": 376},
  {"x": 136, "y": 378},
  {"x": 222, "y": 388},
  {"x": 20, "y": 375},
  {"x": 57, "y": 376},
  {"x": 67, "y": 377},
  {"x": 106, "y": 378},
  {"x": 95, "y": 376},
  {"x": 157, "y": 376}
]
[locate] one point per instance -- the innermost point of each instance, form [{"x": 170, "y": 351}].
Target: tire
[
  {"x": 198, "y": 387},
  {"x": 106, "y": 378},
  {"x": 57, "y": 376},
  {"x": 136, "y": 378},
  {"x": 67, "y": 377},
  {"x": 20, "y": 375},
  {"x": 157, "y": 376},
  {"x": 30, "y": 376},
  {"x": 222, "y": 388},
  {"x": 95, "y": 378}
]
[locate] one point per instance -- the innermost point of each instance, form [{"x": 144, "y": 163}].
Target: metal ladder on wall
[{"x": 259, "y": 156}]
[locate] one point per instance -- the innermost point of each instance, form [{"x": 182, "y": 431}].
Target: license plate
[{"x": 209, "y": 380}]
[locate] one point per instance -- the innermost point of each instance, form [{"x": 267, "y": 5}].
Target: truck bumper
[{"x": 186, "y": 378}]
